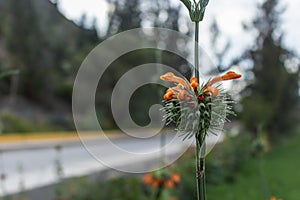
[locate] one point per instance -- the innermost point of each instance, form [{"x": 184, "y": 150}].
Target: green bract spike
[{"x": 196, "y": 9}]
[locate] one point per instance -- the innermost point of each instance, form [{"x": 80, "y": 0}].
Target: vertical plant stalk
[
  {"x": 200, "y": 135},
  {"x": 197, "y": 50}
]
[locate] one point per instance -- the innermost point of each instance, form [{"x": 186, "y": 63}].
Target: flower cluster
[
  {"x": 161, "y": 179},
  {"x": 195, "y": 108},
  {"x": 274, "y": 198}
]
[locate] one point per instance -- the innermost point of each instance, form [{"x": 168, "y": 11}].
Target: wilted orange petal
[{"x": 170, "y": 77}]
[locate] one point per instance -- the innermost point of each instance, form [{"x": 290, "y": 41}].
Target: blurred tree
[
  {"x": 24, "y": 44},
  {"x": 86, "y": 38},
  {"x": 125, "y": 15},
  {"x": 130, "y": 14},
  {"x": 271, "y": 99}
]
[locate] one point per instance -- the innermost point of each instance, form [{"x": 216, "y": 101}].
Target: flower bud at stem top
[{"x": 196, "y": 9}]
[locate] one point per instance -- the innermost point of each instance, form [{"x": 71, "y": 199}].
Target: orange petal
[
  {"x": 170, "y": 77},
  {"x": 212, "y": 90}
]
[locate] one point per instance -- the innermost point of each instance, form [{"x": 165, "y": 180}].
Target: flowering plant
[
  {"x": 195, "y": 108},
  {"x": 160, "y": 184}
]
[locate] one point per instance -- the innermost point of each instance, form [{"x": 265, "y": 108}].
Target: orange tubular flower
[
  {"x": 155, "y": 183},
  {"x": 179, "y": 91},
  {"x": 228, "y": 76},
  {"x": 147, "y": 179},
  {"x": 170, "y": 77},
  {"x": 176, "y": 178},
  {"x": 169, "y": 184},
  {"x": 170, "y": 94},
  {"x": 215, "y": 91},
  {"x": 274, "y": 198},
  {"x": 194, "y": 83}
]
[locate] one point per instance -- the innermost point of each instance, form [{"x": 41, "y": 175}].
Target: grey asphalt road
[{"x": 35, "y": 167}]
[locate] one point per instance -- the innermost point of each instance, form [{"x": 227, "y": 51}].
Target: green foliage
[
  {"x": 124, "y": 188},
  {"x": 231, "y": 155},
  {"x": 280, "y": 167},
  {"x": 13, "y": 124},
  {"x": 186, "y": 169}
]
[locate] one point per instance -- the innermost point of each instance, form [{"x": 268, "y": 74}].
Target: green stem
[
  {"x": 197, "y": 50},
  {"x": 200, "y": 160},
  {"x": 200, "y": 167}
]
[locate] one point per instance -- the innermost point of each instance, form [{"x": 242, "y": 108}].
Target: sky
[{"x": 230, "y": 15}]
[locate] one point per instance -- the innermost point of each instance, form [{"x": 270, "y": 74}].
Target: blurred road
[{"x": 36, "y": 166}]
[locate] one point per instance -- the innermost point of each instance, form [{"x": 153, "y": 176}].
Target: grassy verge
[{"x": 281, "y": 169}]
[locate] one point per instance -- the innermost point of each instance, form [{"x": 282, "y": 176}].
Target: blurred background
[{"x": 42, "y": 45}]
